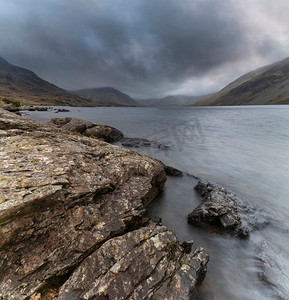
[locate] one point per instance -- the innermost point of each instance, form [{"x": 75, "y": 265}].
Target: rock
[
  {"x": 11, "y": 107},
  {"x": 221, "y": 207},
  {"x": 148, "y": 263},
  {"x": 106, "y": 133},
  {"x": 16, "y": 124},
  {"x": 70, "y": 203},
  {"x": 63, "y": 110},
  {"x": 187, "y": 246},
  {"x": 41, "y": 108},
  {"x": 157, "y": 220},
  {"x": 138, "y": 142},
  {"x": 170, "y": 171}
]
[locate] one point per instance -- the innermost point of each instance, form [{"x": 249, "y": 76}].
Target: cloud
[{"x": 144, "y": 47}]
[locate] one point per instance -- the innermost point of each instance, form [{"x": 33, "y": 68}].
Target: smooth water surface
[{"x": 245, "y": 149}]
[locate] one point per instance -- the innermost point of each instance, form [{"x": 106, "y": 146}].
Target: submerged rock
[
  {"x": 223, "y": 208},
  {"x": 148, "y": 263},
  {"x": 63, "y": 110},
  {"x": 71, "y": 206},
  {"x": 106, "y": 133},
  {"x": 139, "y": 142},
  {"x": 41, "y": 108},
  {"x": 170, "y": 171}
]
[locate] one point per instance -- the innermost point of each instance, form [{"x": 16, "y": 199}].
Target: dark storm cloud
[{"x": 144, "y": 47}]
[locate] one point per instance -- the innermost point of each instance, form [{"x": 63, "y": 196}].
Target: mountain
[
  {"x": 177, "y": 100},
  {"x": 107, "y": 96},
  {"x": 266, "y": 85},
  {"x": 25, "y": 86}
]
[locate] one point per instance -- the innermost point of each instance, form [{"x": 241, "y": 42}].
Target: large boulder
[
  {"x": 62, "y": 197},
  {"x": 106, "y": 133}
]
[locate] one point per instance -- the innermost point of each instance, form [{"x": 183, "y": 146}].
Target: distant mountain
[
  {"x": 107, "y": 96},
  {"x": 25, "y": 86},
  {"x": 266, "y": 85},
  {"x": 177, "y": 100}
]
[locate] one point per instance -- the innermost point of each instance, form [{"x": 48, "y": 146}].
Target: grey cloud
[{"x": 143, "y": 47}]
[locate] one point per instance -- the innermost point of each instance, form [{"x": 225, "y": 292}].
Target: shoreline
[{"x": 63, "y": 218}]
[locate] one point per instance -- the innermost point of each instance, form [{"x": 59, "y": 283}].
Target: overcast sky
[{"x": 146, "y": 48}]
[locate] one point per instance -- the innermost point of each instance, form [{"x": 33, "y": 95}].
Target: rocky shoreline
[{"x": 72, "y": 219}]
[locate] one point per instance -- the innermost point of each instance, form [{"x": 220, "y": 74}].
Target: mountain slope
[
  {"x": 107, "y": 96},
  {"x": 266, "y": 85},
  {"x": 177, "y": 100},
  {"x": 25, "y": 86}
]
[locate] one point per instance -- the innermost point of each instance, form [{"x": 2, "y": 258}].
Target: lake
[{"x": 245, "y": 149}]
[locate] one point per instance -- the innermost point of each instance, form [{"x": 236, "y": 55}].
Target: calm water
[{"x": 245, "y": 149}]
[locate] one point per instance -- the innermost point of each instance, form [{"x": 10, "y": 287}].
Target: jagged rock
[
  {"x": 217, "y": 207},
  {"x": 223, "y": 208},
  {"x": 148, "y": 263},
  {"x": 106, "y": 133},
  {"x": 139, "y": 142},
  {"x": 62, "y": 197}
]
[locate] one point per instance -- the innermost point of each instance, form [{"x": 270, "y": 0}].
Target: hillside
[
  {"x": 266, "y": 85},
  {"x": 107, "y": 96},
  {"x": 25, "y": 86},
  {"x": 176, "y": 100}
]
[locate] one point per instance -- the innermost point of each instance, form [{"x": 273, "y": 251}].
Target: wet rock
[
  {"x": 170, "y": 171},
  {"x": 63, "y": 110},
  {"x": 217, "y": 207},
  {"x": 106, "y": 133},
  {"x": 41, "y": 108},
  {"x": 157, "y": 220},
  {"x": 223, "y": 208},
  {"x": 75, "y": 206},
  {"x": 187, "y": 246},
  {"x": 138, "y": 142},
  {"x": 148, "y": 263}
]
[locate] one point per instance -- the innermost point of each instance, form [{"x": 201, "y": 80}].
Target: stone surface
[
  {"x": 147, "y": 263},
  {"x": 106, "y": 133},
  {"x": 223, "y": 208},
  {"x": 63, "y": 197},
  {"x": 11, "y": 107}
]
